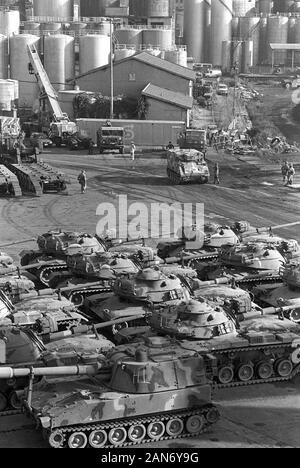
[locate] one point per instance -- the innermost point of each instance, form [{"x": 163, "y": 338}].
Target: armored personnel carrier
[
  {"x": 54, "y": 247},
  {"x": 186, "y": 166},
  {"x": 155, "y": 392},
  {"x": 263, "y": 349},
  {"x": 197, "y": 243},
  {"x": 134, "y": 295}
]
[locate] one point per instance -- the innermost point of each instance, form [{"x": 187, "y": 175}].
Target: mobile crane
[{"x": 61, "y": 128}]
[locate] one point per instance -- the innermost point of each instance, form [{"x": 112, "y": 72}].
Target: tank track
[
  {"x": 46, "y": 271},
  {"x": 83, "y": 293},
  {"x": 6, "y": 176},
  {"x": 10, "y": 412},
  {"x": 65, "y": 433},
  {"x": 255, "y": 380},
  {"x": 177, "y": 180},
  {"x": 29, "y": 181}
]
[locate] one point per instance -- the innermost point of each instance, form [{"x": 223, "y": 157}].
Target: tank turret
[
  {"x": 155, "y": 391},
  {"x": 15, "y": 286},
  {"x": 256, "y": 256},
  {"x": 143, "y": 256}
]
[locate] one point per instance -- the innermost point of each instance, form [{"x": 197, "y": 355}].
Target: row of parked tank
[{"x": 209, "y": 310}]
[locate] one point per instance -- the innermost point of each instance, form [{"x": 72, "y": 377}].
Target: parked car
[
  {"x": 222, "y": 89},
  {"x": 38, "y": 139}
]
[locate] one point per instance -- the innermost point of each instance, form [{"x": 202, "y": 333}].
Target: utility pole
[{"x": 111, "y": 71}]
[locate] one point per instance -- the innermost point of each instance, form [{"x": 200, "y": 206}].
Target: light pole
[{"x": 111, "y": 71}]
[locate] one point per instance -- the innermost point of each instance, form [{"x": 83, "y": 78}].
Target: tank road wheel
[
  {"x": 77, "y": 299},
  {"x": 3, "y": 402},
  {"x": 174, "y": 427},
  {"x": 245, "y": 372},
  {"x": 284, "y": 367},
  {"x": 212, "y": 416},
  {"x": 98, "y": 439},
  {"x": 264, "y": 370},
  {"x": 225, "y": 375},
  {"x": 77, "y": 440},
  {"x": 195, "y": 424},
  {"x": 156, "y": 430},
  {"x": 137, "y": 433},
  {"x": 56, "y": 439},
  {"x": 117, "y": 436},
  {"x": 15, "y": 401},
  {"x": 45, "y": 277}
]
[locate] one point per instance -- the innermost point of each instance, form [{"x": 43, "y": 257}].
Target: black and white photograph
[{"x": 149, "y": 227}]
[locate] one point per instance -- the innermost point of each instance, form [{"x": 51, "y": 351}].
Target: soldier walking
[
  {"x": 284, "y": 171},
  {"x": 216, "y": 174},
  {"x": 290, "y": 175},
  {"x": 132, "y": 151},
  {"x": 82, "y": 181}
]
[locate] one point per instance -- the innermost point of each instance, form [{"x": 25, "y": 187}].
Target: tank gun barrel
[
  {"x": 187, "y": 258},
  {"x": 10, "y": 373},
  {"x": 19, "y": 269},
  {"x": 279, "y": 310},
  {"x": 10, "y": 244},
  {"x": 213, "y": 282}
]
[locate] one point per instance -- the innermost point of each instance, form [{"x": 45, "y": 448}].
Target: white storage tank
[
  {"x": 178, "y": 56},
  {"x": 221, "y": 19},
  {"x": 94, "y": 52},
  {"x": 123, "y": 53},
  {"x": 207, "y": 31},
  {"x": 19, "y": 59},
  {"x": 7, "y": 95},
  {"x": 162, "y": 38},
  {"x": 3, "y": 57},
  {"x": 56, "y": 10},
  {"x": 248, "y": 54},
  {"x": 226, "y": 56},
  {"x": 194, "y": 23},
  {"x": 59, "y": 59},
  {"x": 263, "y": 37},
  {"x": 9, "y": 22},
  {"x": 130, "y": 36},
  {"x": 249, "y": 30}
]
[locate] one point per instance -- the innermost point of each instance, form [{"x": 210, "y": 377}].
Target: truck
[
  {"x": 193, "y": 138},
  {"x": 292, "y": 82},
  {"x": 111, "y": 138},
  {"x": 61, "y": 128}
]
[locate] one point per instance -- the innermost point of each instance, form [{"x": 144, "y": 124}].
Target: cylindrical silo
[
  {"x": 193, "y": 34},
  {"x": 265, "y": 6},
  {"x": 207, "y": 30},
  {"x": 59, "y": 59},
  {"x": 221, "y": 19},
  {"x": 9, "y": 22},
  {"x": 243, "y": 7},
  {"x": 235, "y": 28},
  {"x": 263, "y": 37},
  {"x": 57, "y": 10},
  {"x": 123, "y": 53},
  {"x": 297, "y": 39},
  {"x": 247, "y": 56},
  {"x": 19, "y": 59},
  {"x": 7, "y": 95},
  {"x": 226, "y": 56},
  {"x": 249, "y": 30},
  {"x": 3, "y": 57},
  {"x": 278, "y": 29},
  {"x": 178, "y": 56},
  {"x": 94, "y": 52},
  {"x": 162, "y": 38},
  {"x": 132, "y": 37},
  {"x": 237, "y": 52}
]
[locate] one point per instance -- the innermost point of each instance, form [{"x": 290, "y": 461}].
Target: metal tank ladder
[{"x": 36, "y": 67}]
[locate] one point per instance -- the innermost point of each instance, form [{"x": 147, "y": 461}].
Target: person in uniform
[{"x": 82, "y": 179}]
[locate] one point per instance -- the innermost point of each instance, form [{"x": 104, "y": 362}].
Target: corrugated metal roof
[
  {"x": 149, "y": 59},
  {"x": 285, "y": 46},
  {"x": 166, "y": 95},
  {"x": 170, "y": 67}
]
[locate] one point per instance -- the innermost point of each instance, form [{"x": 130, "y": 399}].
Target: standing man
[
  {"x": 82, "y": 181},
  {"x": 291, "y": 174},
  {"x": 132, "y": 151},
  {"x": 216, "y": 174},
  {"x": 284, "y": 171}
]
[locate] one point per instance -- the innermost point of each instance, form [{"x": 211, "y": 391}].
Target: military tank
[
  {"x": 195, "y": 244},
  {"x": 284, "y": 293},
  {"x": 9, "y": 184},
  {"x": 53, "y": 249},
  {"x": 16, "y": 286},
  {"x": 246, "y": 264},
  {"x": 134, "y": 294},
  {"x": 187, "y": 166},
  {"x": 264, "y": 349},
  {"x": 143, "y": 401}
]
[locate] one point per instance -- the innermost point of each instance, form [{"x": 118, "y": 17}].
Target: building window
[{"x": 132, "y": 77}]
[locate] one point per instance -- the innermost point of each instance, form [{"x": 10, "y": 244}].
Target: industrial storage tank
[
  {"x": 178, "y": 56},
  {"x": 249, "y": 30},
  {"x": 297, "y": 39},
  {"x": 265, "y": 6},
  {"x": 162, "y": 38},
  {"x": 94, "y": 52},
  {"x": 278, "y": 29},
  {"x": 207, "y": 31},
  {"x": 3, "y": 57},
  {"x": 7, "y": 95},
  {"x": 247, "y": 56},
  {"x": 226, "y": 56},
  {"x": 129, "y": 36},
  {"x": 59, "y": 59},
  {"x": 28, "y": 87},
  {"x": 57, "y": 10},
  {"x": 123, "y": 52},
  {"x": 263, "y": 37},
  {"x": 243, "y": 7},
  {"x": 194, "y": 28},
  {"x": 221, "y": 19},
  {"x": 9, "y": 22}
]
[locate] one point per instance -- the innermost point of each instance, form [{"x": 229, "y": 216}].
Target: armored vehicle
[
  {"x": 16, "y": 286},
  {"x": 155, "y": 392},
  {"x": 9, "y": 184},
  {"x": 142, "y": 255},
  {"x": 264, "y": 349},
  {"x": 184, "y": 166}
]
